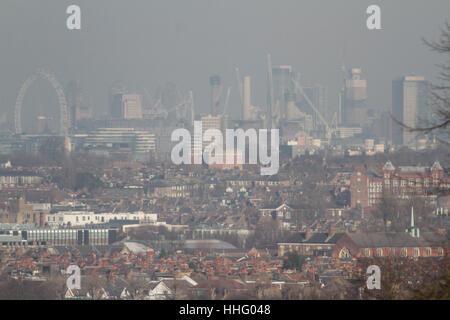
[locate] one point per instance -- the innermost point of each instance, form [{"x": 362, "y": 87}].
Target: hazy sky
[{"x": 148, "y": 42}]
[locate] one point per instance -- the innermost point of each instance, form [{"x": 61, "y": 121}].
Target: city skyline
[
  {"x": 223, "y": 48},
  {"x": 224, "y": 150}
]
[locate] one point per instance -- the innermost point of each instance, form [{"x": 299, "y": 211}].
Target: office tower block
[
  {"x": 249, "y": 111},
  {"x": 115, "y": 100},
  {"x": 247, "y": 97},
  {"x": 220, "y": 122},
  {"x": 281, "y": 77},
  {"x": 77, "y": 104},
  {"x": 73, "y": 97},
  {"x": 354, "y": 100},
  {"x": 126, "y": 106},
  {"x": 132, "y": 106},
  {"x": 318, "y": 95},
  {"x": 116, "y": 106},
  {"x": 409, "y": 107},
  {"x": 212, "y": 122},
  {"x": 216, "y": 91}
]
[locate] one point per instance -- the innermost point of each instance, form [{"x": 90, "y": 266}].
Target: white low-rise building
[{"x": 81, "y": 218}]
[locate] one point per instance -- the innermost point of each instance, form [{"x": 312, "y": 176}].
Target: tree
[
  {"x": 52, "y": 149},
  {"x": 135, "y": 286},
  {"x": 95, "y": 285},
  {"x": 30, "y": 290},
  {"x": 404, "y": 278},
  {"x": 440, "y": 94},
  {"x": 437, "y": 290},
  {"x": 87, "y": 180},
  {"x": 294, "y": 261}
]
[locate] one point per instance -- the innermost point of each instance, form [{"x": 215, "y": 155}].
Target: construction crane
[
  {"x": 299, "y": 89},
  {"x": 187, "y": 107}
]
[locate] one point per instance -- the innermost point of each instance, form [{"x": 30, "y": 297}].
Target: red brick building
[
  {"x": 366, "y": 245},
  {"x": 367, "y": 189}
]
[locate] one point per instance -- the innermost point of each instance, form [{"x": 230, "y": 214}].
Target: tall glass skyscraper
[{"x": 410, "y": 107}]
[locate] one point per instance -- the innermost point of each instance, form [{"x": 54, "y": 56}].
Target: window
[
  {"x": 440, "y": 251},
  {"x": 367, "y": 252},
  {"x": 416, "y": 252},
  {"x": 344, "y": 253},
  {"x": 428, "y": 252},
  {"x": 379, "y": 252},
  {"x": 404, "y": 252}
]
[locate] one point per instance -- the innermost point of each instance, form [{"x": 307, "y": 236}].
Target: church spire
[{"x": 413, "y": 230}]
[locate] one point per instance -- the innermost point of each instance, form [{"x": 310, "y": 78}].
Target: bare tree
[{"x": 439, "y": 94}]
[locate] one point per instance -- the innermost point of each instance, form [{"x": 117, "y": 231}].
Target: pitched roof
[
  {"x": 436, "y": 166},
  {"x": 317, "y": 237},
  {"x": 389, "y": 166},
  {"x": 384, "y": 239},
  {"x": 335, "y": 237}
]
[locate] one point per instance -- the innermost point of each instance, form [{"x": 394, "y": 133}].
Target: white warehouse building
[{"x": 81, "y": 218}]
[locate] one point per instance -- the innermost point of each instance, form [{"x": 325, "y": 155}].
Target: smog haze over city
[
  {"x": 146, "y": 43},
  {"x": 193, "y": 150}
]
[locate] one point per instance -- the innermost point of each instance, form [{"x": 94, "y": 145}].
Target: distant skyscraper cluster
[{"x": 298, "y": 107}]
